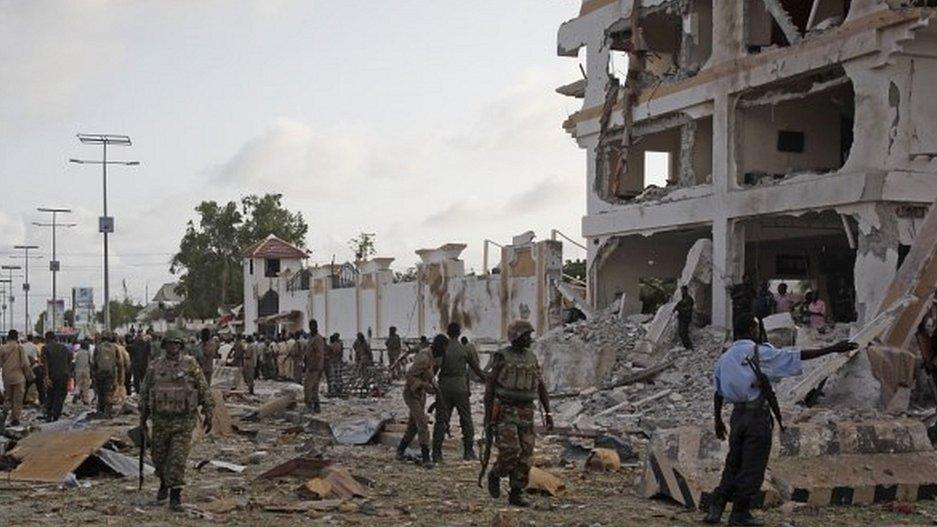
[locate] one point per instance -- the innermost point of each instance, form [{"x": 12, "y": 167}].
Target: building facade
[{"x": 799, "y": 136}]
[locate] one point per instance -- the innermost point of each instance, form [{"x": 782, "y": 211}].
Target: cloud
[
  {"x": 545, "y": 194},
  {"x": 299, "y": 159}
]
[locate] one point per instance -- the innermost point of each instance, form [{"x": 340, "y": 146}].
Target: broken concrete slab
[
  {"x": 273, "y": 407},
  {"x": 358, "y": 431},
  {"x": 126, "y": 466},
  {"x": 895, "y": 370},
  {"x": 50, "y": 456}
]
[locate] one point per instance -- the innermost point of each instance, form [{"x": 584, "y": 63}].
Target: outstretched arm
[{"x": 840, "y": 347}]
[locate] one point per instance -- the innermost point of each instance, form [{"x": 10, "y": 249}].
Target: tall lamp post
[
  {"x": 26, "y": 249},
  {"x": 54, "y": 265},
  {"x": 11, "y": 268},
  {"x": 3, "y": 305},
  {"x": 105, "y": 222}
]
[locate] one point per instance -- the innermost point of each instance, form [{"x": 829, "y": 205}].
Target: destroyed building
[{"x": 799, "y": 136}]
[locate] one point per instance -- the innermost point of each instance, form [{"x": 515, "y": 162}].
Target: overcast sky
[{"x": 424, "y": 122}]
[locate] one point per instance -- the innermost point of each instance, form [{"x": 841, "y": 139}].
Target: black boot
[
  {"x": 437, "y": 453},
  {"x": 714, "y": 513},
  {"x": 175, "y": 499},
  {"x": 494, "y": 485},
  {"x": 516, "y": 498},
  {"x": 468, "y": 451},
  {"x": 424, "y": 453},
  {"x": 316, "y": 409},
  {"x": 402, "y": 451},
  {"x": 742, "y": 515},
  {"x": 162, "y": 493}
]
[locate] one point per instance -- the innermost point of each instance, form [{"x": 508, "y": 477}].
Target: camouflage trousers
[
  {"x": 171, "y": 438},
  {"x": 446, "y": 402},
  {"x": 104, "y": 390},
  {"x": 311, "y": 381},
  {"x": 515, "y": 437},
  {"x": 419, "y": 421}
]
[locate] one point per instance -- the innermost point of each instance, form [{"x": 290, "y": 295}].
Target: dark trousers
[
  {"x": 749, "y": 448},
  {"x": 55, "y": 397},
  {"x": 39, "y": 372},
  {"x": 138, "y": 374},
  {"x": 459, "y": 401},
  {"x": 683, "y": 330}
]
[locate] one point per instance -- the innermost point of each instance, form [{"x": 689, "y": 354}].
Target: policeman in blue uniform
[{"x": 736, "y": 381}]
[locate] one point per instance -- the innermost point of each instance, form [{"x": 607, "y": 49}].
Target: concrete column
[{"x": 724, "y": 243}]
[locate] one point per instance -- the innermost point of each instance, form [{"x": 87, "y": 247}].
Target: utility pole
[
  {"x": 11, "y": 268},
  {"x": 105, "y": 222},
  {"x": 3, "y": 306},
  {"x": 54, "y": 265},
  {"x": 26, "y": 249}
]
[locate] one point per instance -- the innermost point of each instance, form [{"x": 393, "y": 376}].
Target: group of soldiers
[{"x": 512, "y": 385}]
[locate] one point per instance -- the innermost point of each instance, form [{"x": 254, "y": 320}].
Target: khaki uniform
[
  {"x": 171, "y": 393},
  {"x": 249, "y": 362},
  {"x": 419, "y": 382},
  {"x": 313, "y": 365},
  {"x": 104, "y": 366},
  {"x": 454, "y": 393},
  {"x": 16, "y": 372},
  {"x": 515, "y": 392},
  {"x": 334, "y": 368},
  {"x": 363, "y": 356},
  {"x": 297, "y": 352},
  {"x": 123, "y": 371},
  {"x": 207, "y": 355},
  {"x": 393, "y": 349}
]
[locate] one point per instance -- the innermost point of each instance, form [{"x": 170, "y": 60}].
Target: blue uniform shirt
[{"x": 734, "y": 379}]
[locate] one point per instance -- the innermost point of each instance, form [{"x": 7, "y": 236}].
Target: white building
[
  {"x": 274, "y": 299},
  {"x": 800, "y": 136}
]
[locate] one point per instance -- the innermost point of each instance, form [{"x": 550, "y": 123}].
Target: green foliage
[
  {"x": 407, "y": 276},
  {"x": 209, "y": 257},
  {"x": 655, "y": 292},
  {"x": 363, "y": 246},
  {"x": 575, "y": 268},
  {"x": 122, "y": 312}
]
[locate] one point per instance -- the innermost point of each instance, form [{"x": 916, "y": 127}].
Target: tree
[
  {"x": 209, "y": 256},
  {"x": 575, "y": 268},
  {"x": 122, "y": 312},
  {"x": 407, "y": 276},
  {"x": 363, "y": 246}
]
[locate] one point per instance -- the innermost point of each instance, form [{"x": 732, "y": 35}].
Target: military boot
[
  {"x": 162, "y": 493},
  {"x": 742, "y": 515},
  {"x": 175, "y": 499},
  {"x": 516, "y": 498},
  {"x": 437, "y": 453},
  {"x": 494, "y": 485},
  {"x": 316, "y": 409},
  {"x": 469, "y": 451},
  {"x": 401, "y": 451},
  {"x": 424, "y": 453},
  {"x": 714, "y": 513}
]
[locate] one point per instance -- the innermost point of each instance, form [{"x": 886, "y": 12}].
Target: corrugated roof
[{"x": 273, "y": 247}]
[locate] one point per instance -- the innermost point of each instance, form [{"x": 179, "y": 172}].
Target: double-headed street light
[
  {"x": 54, "y": 265},
  {"x": 105, "y": 223},
  {"x": 26, "y": 249}
]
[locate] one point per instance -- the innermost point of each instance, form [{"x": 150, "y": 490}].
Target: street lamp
[
  {"x": 54, "y": 265},
  {"x": 3, "y": 305},
  {"x": 11, "y": 268},
  {"x": 26, "y": 249},
  {"x": 105, "y": 222}
]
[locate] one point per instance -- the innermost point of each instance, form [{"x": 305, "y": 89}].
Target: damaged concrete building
[{"x": 798, "y": 135}]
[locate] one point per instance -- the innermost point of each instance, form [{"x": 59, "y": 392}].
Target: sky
[{"x": 424, "y": 122}]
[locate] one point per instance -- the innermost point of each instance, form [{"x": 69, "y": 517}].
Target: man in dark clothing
[
  {"x": 684, "y": 311},
  {"x": 139, "y": 359},
  {"x": 736, "y": 380},
  {"x": 453, "y": 366},
  {"x": 58, "y": 365}
]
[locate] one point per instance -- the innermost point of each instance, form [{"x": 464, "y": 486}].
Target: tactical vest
[
  {"x": 519, "y": 376},
  {"x": 454, "y": 361},
  {"x": 105, "y": 358},
  {"x": 173, "y": 390}
]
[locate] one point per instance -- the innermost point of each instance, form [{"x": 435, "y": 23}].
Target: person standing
[
  {"x": 31, "y": 347},
  {"x": 453, "y": 385},
  {"x": 83, "y": 373},
  {"x": 173, "y": 389},
  {"x": 313, "y": 364},
  {"x": 363, "y": 357},
  {"x": 513, "y": 385},
  {"x": 123, "y": 372},
  {"x": 816, "y": 309},
  {"x": 58, "y": 365},
  {"x": 250, "y": 357},
  {"x": 738, "y": 378},
  {"x": 298, "y": 346},
  {"x": 15, "y": 372},
  {"x": 207, "y": 353},
  {"x": 764, "y": 304},
  {"x": 393, "y": 345},
  {"x": 335, "y": 366},
  {"x": 419, "y": 383},
  {"x": 783, "y": 301},
  {"x": 473, "y": 355},
  {"x": 139, "y": 359},
  {"x": 104, "y": 370},
  {"x": 684, "y": 309}
]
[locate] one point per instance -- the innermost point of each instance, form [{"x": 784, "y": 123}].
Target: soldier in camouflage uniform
[
  {"x": 172, "y": 391},
  {"x": 419, "y": 383},
  {"x": 513, "y": 384},
  {"x": 313, "y": 364},
  {"x": 104, "y": 372}
]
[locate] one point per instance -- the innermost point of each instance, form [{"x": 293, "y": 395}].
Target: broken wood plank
[
  {"x": 641, "y": 376},
  {"x": 659, "y": 395},
  {"x": 50, "y": 456}
]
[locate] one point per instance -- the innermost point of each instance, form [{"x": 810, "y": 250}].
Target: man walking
[
  {"x": 684, "y": 309},
  {"x": 335, "y": 366},
  {"x": 139, "y": 359},
  {"x": 15, "y": 370},
  {"x": 83, "y": 374},
  {"x": 393, "y": 345},
  {"x": 453, "y": 384},
  {"x": 513, "y": 385},
  {"x": 313, "y": 365},
  {"x": 207, "y": 353},
  {"x": 172, "y": 391},
  {"x": 58, "y": 366},
  {"x": 104, "y": 370},
  {"x": 743, "y": 377},
  {"x": 420, "y": 383}
]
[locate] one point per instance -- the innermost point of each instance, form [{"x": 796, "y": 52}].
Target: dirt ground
[{"x": 398, "y": 493}]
